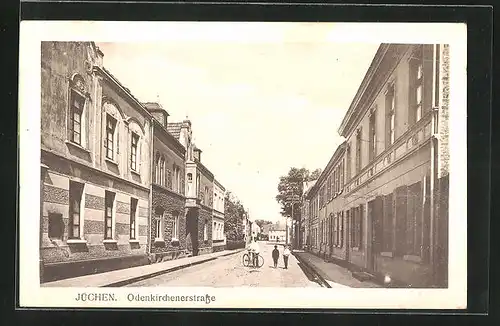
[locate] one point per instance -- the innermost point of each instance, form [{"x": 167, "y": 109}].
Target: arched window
[
  {"x": 158, "y": 223},
  {"x": 77, "y": 122},
  {"x": 136, "y": 136},
  {"x": 112, "y": 120}
]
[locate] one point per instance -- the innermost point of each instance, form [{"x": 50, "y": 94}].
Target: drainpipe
[
  {"x": 151, "y": 169},
  {"x": 433, "y": 172}
]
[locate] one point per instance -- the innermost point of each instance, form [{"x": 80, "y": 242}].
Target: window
[
  {"x": 329, "y": 188},
  {"x": 56, "y": 226},
  {"x": 205, "y": 231},
  {"x": 175, "y": 225},
  {"x": 162, "y": 171},
  {"x": 341, "y": 175},
  {"x": 133, "y": 151},
  {"x": 110, "y": 137},
  {"x": 177, "y": 179},
  {"x": 335, "y": 234},
  {"x": 416, "y": 85},
  {"x": 133, "y": 218},
  {"x": 348, "y": 162},
  {"x": 198, "y": 189},
  {"x": 190, "y": 177},
  {"x": 373, "y": 135},
  {"x": 108, "y": 215},
  {"x": 341, "y": 230},
  {"x": 75, "y": 206},
  {"x": 390, "y": 105},
  {"x": 158, "y": 223},
  {"x": 358, "y": 151},
  {"x": 77, "y": 103},
  {"x": 169, "y": 179}
]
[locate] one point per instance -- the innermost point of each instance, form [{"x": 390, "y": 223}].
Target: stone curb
[
  {"x": 165, "y": 271},
  {"x": 315, "y": 271}
]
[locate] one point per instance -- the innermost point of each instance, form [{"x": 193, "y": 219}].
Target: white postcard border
[{"x": 33, "y": 295}]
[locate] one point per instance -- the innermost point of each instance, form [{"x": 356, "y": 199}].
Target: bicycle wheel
[
  {"x": 260, "y": 261},
  {"x": 246, "y": 260}
]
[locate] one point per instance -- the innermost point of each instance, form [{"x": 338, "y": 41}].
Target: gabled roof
[{"x": 174, "y": 128}]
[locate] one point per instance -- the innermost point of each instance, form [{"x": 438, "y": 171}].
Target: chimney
[{"x": 158, "y": 112}]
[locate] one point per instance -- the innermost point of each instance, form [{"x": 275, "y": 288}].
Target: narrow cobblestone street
[{"x": 229, "y": 271}]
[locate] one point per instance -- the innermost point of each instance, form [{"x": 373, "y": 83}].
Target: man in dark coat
[{"x": 276, "y": 255}]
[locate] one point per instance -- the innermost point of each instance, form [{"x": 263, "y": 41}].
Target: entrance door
[
  {"x": 347, "y": 234},
  {"x": 375, "y": 215}
]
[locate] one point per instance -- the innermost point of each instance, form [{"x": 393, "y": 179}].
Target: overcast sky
[{"x": 258, "y": 106}]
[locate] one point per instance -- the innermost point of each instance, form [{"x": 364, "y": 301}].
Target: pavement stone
[
  {"x": 335, "y": 275},
  {"x": 129, "y": 274}
]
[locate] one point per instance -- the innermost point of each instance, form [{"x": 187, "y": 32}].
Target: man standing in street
[
  {"x": 286, "y": 253},
  {"x": 276, "y": 255}
]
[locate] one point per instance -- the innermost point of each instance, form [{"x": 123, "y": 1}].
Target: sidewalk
[
  {"x": 335, "y": 275},
  {"x": 126, "y": 276}
]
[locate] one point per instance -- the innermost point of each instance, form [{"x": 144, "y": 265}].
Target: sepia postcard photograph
[{"x": 242, "y": 165}]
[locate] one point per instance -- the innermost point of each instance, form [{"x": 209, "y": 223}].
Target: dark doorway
[{"x": 192, "y": 231}]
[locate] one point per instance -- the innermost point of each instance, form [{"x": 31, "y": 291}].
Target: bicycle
[{"x": 247, "y": 260}]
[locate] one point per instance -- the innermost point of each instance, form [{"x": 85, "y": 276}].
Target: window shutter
[{"x": 400, "y": 203}]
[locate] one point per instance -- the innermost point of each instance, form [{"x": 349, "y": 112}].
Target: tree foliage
[
  {"x": 292, "y": 185},
  {"x": 261, "y": 223},
  {"x": 234, "y": 218}
]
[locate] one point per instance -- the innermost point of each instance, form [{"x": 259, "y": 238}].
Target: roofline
[
  {"x": 176, "y": 142},
  {"x": 377, "y": 59},
  {"x": 122, "y": 88},
  {"x": 331, "y": 163},
  {"x": 219, "y": 184},
  {"x": 205, "y": 169}
]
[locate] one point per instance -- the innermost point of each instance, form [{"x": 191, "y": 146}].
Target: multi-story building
[
  {"x": 395, "y": 190},
  {"x": 167, "y": 232},
  {"x": 199, "y": 192},
  {"x": 255, "y": 231},
  {"x": 218, "y": 239},
  {"x": 313, "y": 219},
  {"x": 328, "y": 189},
  {"x": 277, "y": 232},
  {"x": 95, "y": 151}
]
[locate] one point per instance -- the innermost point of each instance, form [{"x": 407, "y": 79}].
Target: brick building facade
[
  {"x": 394, "y": 193},
  {"x": 168, "y": 222},
  {"x": 95, "y": 141}
]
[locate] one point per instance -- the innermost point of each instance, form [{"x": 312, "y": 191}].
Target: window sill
[
  {"x": 76, "y": 241},
  {"x": 158, "y": 240},
  {"x": 133, "y": 241},
  {"x": 137, "y": 173},
  {"x": 109, "y": 241},
  {"x": 412, "y": 258},
  {"x": 355, "y": 248},
  {"x": 111, "y": 161},
  {"x": 75, "y": 145},
  {"x": 387, "y": 254}
]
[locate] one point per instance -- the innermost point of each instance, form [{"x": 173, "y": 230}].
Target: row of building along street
[
  {"x": 380, "y": 205},
  {"x": 121, "y": 184}
]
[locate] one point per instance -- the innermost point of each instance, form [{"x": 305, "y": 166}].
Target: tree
[
  {"x": 234, "y": 218},
  {"x": 261, "y": 223},
  {"x": 292, "y": 184},
  {"x": 314, "y": 175}
]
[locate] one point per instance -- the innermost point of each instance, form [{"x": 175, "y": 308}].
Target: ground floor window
[
  {"x": 158, "y": 223},
  {"x": 133, "y": 218},
  {"x": 108, "y": 215}
]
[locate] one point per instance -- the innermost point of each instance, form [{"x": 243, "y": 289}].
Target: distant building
[
  {"x": 255, "y": 230},
  {"x": 277, "y": 232},
  {"x": 304, "y": 223}
]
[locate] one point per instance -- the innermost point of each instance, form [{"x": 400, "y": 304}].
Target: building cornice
[
  {"x": 115, "y": 83},
  {"x": 205, "y": 170},
  {"x": 389, "y": 54},
  {"x": 337, "y": 155}
]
